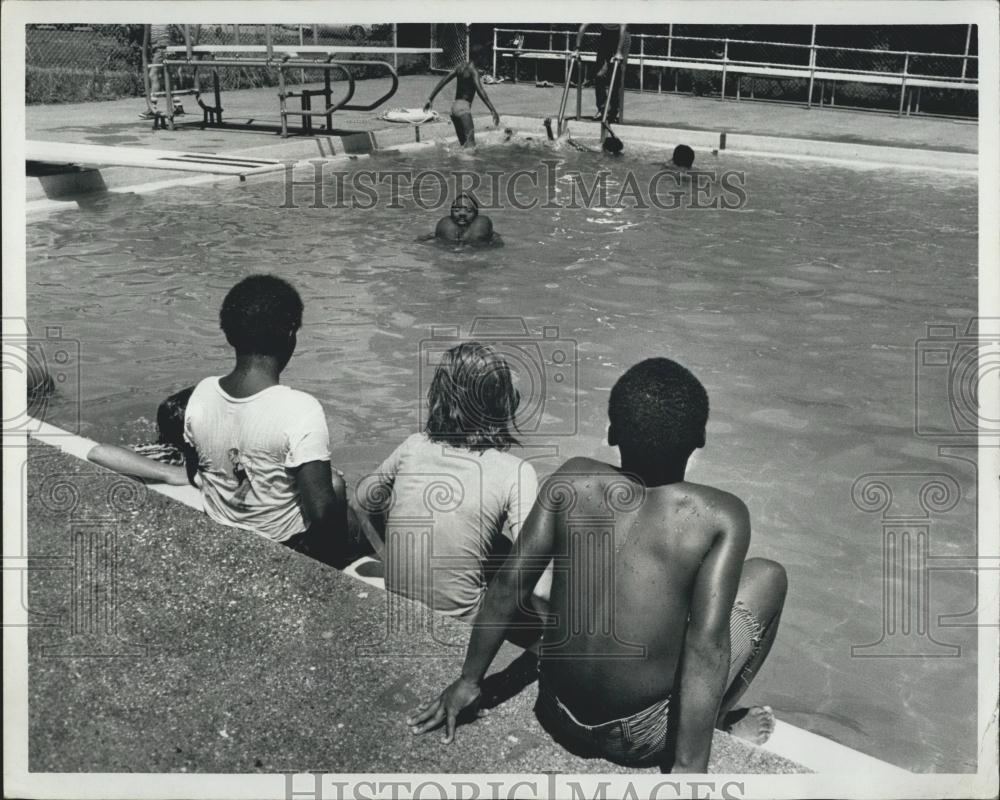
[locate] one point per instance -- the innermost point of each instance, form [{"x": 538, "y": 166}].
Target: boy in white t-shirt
[{"x": 264, "y": 449}]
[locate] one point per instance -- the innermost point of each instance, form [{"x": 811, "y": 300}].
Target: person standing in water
[{"x": 467, "y": 86}]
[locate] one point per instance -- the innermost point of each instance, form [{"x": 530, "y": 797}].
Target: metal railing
[{"x": 733, "y": 68}]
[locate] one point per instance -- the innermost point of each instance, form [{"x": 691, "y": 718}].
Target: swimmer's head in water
[
  {"x": 657, "y": 409},
  {"x": 612, "y": 145},
  {"x": 464, "y": 209},
  {"x": 683, "y": 156}
]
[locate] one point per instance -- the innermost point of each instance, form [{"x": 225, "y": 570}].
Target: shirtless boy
[
  {"x": 691, "y": 621},
  {"x": 467, "y": 86},
  {"x": 465, "y": 223}
]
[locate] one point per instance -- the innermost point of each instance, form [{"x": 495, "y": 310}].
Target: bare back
[
  {"x": 626, "y": 562},
  {"x": 465, "y": 83}
]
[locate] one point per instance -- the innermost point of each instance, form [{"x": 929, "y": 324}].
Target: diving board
[{"x": 95, "y": 155}]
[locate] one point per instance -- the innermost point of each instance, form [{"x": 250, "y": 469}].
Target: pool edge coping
[
  {"x": 809, "y": 750},
  {"x": 303, "y": 150}
]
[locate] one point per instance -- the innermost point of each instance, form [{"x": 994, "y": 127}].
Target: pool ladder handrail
[
  {"x": 605, "y": 128},
  {"x": 570, "y": 59},
  {"x": 560, "y": 120}
]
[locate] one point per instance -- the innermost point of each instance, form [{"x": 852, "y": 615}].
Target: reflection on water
[{"x": 799, "y": 313}]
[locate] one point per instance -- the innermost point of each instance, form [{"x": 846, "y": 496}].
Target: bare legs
[{"x": 762, "y": 592}]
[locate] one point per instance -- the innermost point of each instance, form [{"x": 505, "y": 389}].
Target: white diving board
[{"x": 95, "y": 155}]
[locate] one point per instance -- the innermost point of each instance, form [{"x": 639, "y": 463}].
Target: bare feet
[{"x": 753, "y": 725}]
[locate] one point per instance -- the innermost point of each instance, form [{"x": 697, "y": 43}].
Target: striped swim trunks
[{"x": 640, "y": 739}]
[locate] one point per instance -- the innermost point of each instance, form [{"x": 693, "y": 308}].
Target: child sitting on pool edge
[
  {"x": 452, "y": 497},
  {"x": 263, "y": 449},
  {"x": 692, "y": 621},
  {"x": 169, "y": 460}
]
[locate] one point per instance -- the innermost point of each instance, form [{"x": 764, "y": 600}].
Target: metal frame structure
[
  {"x": 279, "y": 58},
  {"x": 910, "y": 83}
]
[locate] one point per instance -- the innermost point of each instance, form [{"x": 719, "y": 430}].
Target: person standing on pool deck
[
  {"x": 263, "y": 449},
  {"x": 467, "y": 86},
  {"x": 160, "y": 38},
  {"x": 612, "y": 45},
  {"x": 692, "y": 621}
]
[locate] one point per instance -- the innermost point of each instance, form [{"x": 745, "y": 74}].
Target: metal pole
[
  {"x": 395, "y": 56},
  {"x": 902, "y": 84},
  {"x": 670, "y": 39},
  {"x": 236, "y": 34},
  {"x": 169, "y": 97},
  {"x": 146, "y": 82},
  {"x": 302, "y": 41},
  {"x": 642, "y": 67},
  {"x": 725, "y": 61},
  {"x": 968, "y": 40},
  {"x": 281, "y": 99},
  {"x": 812, "y": 67},
  {"x": 315, "y": 28}
]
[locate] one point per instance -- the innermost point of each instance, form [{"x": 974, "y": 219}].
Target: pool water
[{"x": 800, "y": 312}]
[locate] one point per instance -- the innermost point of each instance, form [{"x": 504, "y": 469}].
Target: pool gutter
[{"x": 300, "y": 152}]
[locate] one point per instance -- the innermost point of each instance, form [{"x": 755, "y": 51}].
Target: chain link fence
[
  {"x": 453, "y": 39},
  {"x": 77, "y": 63}
]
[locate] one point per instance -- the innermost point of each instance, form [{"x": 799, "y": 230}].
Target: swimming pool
[{"x": 800, "y": 312}]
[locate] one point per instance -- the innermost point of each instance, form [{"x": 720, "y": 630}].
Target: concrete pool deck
[
  {"x": 748, "y": 126},
  {"x": 169, "y": 640},
  {"x": 171, "y": 644}
]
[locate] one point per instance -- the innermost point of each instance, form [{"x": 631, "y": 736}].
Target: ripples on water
[{"x": 799, "y": 313}]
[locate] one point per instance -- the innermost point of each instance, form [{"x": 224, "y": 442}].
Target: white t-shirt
[
  {"x": 246, "y": 448},
  {"x": 448, "y": 506}
]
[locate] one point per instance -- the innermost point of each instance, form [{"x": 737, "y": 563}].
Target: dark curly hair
[
  {"x": 472, "y": 400},
  {"x": 259, "y": 315},
  {"x": 170, "y": 418},
  {"x": 656, "y": 408}
]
